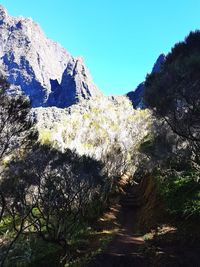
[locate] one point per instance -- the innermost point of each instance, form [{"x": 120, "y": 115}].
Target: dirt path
[
  {"x": 125, "y": 249},
  {"x": 165, "y": 246}
]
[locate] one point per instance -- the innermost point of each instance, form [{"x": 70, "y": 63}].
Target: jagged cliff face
[
  {"x": 39, "y": 67},
  {"x": 158, "y": 64},
  {"x": 136, "y": 96},
  {"x": 76, "y": 85}
]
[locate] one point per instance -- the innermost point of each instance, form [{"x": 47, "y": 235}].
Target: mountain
[
  {"x": 136, "y": 96},
  {"x": 158, "y": 64},
  {"x": 39, "y": 67}
]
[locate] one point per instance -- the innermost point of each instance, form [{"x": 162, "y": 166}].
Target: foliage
[
  {"x": 181, "y": 192},
  {"x": 174, "y": 92},
  {"x": 45, "y": 137},
  {"x": 174, "y": 95},
  {"x": 109, "y": 130},
  {"x": 15, "y": 122},
  {"x": 16, "y": 132},
  {"x": 51, "y": 194}
]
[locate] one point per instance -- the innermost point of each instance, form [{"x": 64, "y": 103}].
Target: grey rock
[
  {"x": 137, "y": 95},
  {"x": 157, "y": 66},
  {"x": 76, "y": 85},
  {"x": 41, "y": 68}
]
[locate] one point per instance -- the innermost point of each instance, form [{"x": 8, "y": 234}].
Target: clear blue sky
[{"x": 119, "y": 39}]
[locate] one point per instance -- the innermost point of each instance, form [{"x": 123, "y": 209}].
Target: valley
[{"x": 92, "y": 180}]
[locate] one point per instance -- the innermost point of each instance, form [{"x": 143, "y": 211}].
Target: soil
[
  {"x": 165, "y": 247},
  {"x": 126, "y": 247}
]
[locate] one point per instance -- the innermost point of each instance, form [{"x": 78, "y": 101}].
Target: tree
[
  {"x": 51, "y": 193},
  {"x": 15, "y": 121},
  {"x": 174, "y": 92},
  {"x": 15, "y": 127},
  {"x": 16, "y": 131}
]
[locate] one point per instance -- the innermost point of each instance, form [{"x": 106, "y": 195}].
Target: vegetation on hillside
[
  {"x": 54, "y": 188},
  {"x": 55, "y": 184},
  {"x": 109, "y": 130},
  {"x": 174, "y": 95}
]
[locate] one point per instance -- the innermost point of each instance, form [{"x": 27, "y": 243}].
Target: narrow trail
[
  {"x": 167, "y": 247},
  {"x": 125, "y": 249}
]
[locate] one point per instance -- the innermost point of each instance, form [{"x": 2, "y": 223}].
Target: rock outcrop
[
  {"x": 158, "y": 64},
  {"x": 39, "y": 67},
  {"x": 136, "y": 96}
]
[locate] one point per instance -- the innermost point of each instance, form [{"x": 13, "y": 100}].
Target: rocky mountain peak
[
  {"x": 40, "y": 67},
  {"x": 160, "y": 60},
  {"x": 136, "y": 96},
  {"x": 75, "y": 86},
  {"x": 3, "y": 14}
]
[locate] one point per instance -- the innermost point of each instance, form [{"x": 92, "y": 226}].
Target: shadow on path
[{"x": 126, "y": 247}]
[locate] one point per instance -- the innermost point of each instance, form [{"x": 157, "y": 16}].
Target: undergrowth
[{"x": 181, "y": 193}]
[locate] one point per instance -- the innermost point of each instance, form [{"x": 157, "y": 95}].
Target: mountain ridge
[
  {"x": 44, "y": 70},
  {"x": 136, "y": 96}
]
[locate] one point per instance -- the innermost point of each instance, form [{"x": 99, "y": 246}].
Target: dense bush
[
  {"x": 174, "y": 96},
  {"x": 17, "y": 135},
  {"x": 181, "y": 192},
  {"x": 174, "y": 92},
  {"x": 51, "y": 194},
  {"x": 109, "y": 130}
]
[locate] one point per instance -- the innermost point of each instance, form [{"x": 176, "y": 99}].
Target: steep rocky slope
[
  {"x": 39, "y": 67},
  {"x": 136, "y": 96}
]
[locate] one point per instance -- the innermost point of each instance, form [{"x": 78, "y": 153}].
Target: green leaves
[{"x": 181, "y": 193}]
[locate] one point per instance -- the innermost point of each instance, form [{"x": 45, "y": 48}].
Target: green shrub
[{"x": 181, "y": 192}]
